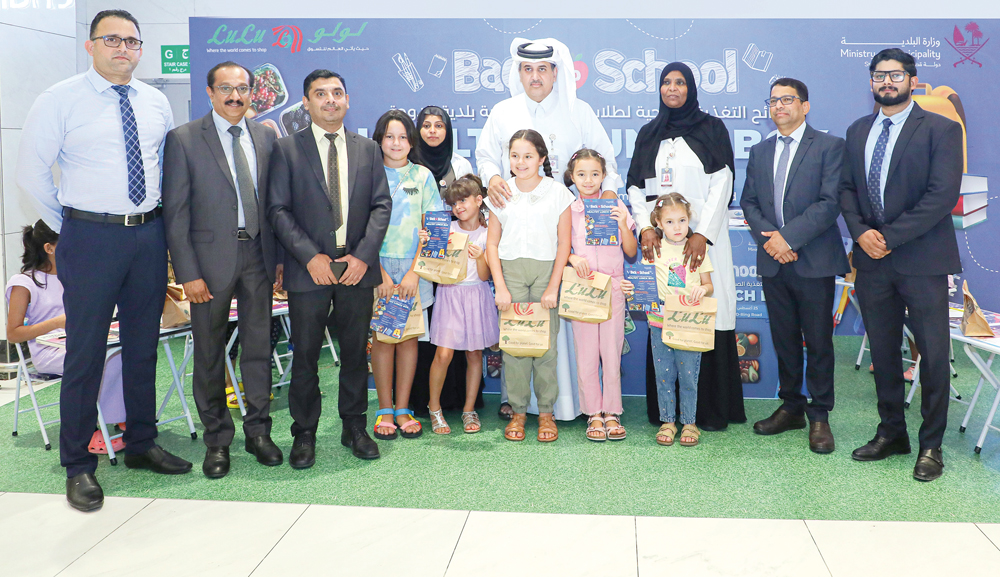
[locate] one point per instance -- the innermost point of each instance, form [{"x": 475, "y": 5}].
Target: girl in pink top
[{"x": 599, "y": 344}]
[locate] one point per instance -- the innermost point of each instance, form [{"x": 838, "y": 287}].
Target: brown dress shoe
[
  {"x": 820, "y": 437},
  {"x": 779, "y": 422}
]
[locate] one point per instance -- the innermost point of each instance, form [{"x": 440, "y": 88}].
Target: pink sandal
[{"x": 97, "y": 446}]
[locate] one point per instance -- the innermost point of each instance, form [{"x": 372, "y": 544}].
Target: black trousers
[
  {"x": 885, "y": 296},
  {"x": 209, "y": 324},
  {"x": 100, "y": 266},
  {"x": 797, "y": 308},
  {"x": 309, "y": 313}
]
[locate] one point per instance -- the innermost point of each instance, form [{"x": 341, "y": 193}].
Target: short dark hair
[
  {"x": 797, "y": 85},
  {"x": 904, "y": 58},
  {"x": 316, "y": 75},
  {"x": 112, "y": 14},
  {"x": 227, "y": 64},
  {"x": 411, "y": 131}
]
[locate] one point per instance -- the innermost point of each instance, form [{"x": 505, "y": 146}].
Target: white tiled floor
[{"x": 41, "y": 536}]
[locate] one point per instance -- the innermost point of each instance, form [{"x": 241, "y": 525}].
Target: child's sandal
[
  {"x": 438, "y": 424},
  {"x": 471, "y": 423},
  {"x": 592, "y": 428},
  {"x": 390, "y": 424},
  {"x": 515, "y": 426},
  {"x": 410, "y": 429},
  {"x": 665, "y": 436},
  {"x": 619, "y": 435},
  {"x": 689, "y": 432},
  {"x": 547, "y": 424}
]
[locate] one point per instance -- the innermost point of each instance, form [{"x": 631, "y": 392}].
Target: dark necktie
[
  {"x": 875, "y": 173},
  {"x": 244, "y": 180},
  {"x": 133, "y": 154},
  {"x": 333, "y": 180},
  {"x": 779, "y": 180}
]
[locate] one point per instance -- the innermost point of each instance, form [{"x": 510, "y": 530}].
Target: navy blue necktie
[
  {"x": 875, "y": 173},
  {"x": 133, "y": 154}
]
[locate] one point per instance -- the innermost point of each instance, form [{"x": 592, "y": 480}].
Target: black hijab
[
  {"x": 705, "y": 134},
  {"x": 436, "y": 158}
]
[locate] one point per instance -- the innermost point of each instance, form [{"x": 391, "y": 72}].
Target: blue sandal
[
  {"x": 391, "y": 424},
  {"x": 410, "y": 429}
]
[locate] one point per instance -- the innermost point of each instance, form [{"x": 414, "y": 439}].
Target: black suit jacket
[
  {"x": 811, "y": 204},
  {"x": 302, "y": 215},
  {"x": 922, "y": 188},
  {"x": 200, "y": 202}
]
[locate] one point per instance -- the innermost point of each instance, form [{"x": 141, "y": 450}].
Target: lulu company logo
[
  {"x": 522, "y": 309},
  {"x": 287, "y": 36},
  {"x": 967, "y": 47}
]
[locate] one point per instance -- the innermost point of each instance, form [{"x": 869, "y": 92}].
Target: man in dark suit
[
  {"x": 221, "y": 245},
  {"x": 329, "y": 204},
  {"x": 801, "y": 253},
  {"x": 901, "y": 179}
]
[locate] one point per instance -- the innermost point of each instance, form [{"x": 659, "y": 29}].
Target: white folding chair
[{"x": 28, "y": 376}]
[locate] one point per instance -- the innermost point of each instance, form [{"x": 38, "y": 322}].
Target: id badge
[
  {"x": 554, "y": 163},
  {"x": 667, "y": 177}
]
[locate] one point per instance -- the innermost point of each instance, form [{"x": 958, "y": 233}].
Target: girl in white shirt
[{"x": 528, "y": 244}]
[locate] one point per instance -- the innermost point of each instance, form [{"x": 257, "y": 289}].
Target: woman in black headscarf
[
  {"x": 437, "y": 153},
  {"x": 688, "y": 151}
]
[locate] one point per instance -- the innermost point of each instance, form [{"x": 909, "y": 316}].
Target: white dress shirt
[
  {"x": 78, "y": 124},
  {"x": 897, "y": 126},
  {"x": 222, "y": 126},
  {"x": 793, "y": 147},
  {"x": 324, "y": 150}
]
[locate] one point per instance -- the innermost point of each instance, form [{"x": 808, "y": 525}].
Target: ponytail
[{"x": 34, "y": 238}]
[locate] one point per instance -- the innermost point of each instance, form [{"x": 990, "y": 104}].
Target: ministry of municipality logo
[{"x": 967, "y": 47}]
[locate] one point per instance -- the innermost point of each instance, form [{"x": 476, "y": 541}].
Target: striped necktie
[{"x": 133, "y": 154}]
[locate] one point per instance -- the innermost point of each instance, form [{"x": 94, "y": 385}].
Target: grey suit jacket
[
  {"x": 302, "y": 215},
  {"x": 811, "y": 204},
  {"x": 200, "y": 202}
]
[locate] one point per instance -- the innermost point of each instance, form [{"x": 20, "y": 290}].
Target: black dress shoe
[
  {"x": 362, "y": 446},
  {"x": 303, "y": 453},
  {"x": 930, "y": 465},
  {"x": 84, "y": 493},
  {"x": 821, "y": 438},
  {"x": 779, "y": 422},
  {"x": 158, "y": 461},
  {"x": 265, "y": 450},
  {"x": 216, "y": 464},
  {"x": 880, "y": 448}
]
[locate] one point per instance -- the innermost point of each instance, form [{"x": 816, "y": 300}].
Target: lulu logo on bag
[
  {"x": 524, "y": 330},
  {"x": 585, "y": 299},
  {"x": 524, "y": 310}
]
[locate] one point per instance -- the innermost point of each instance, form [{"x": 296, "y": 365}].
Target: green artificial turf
[{"x": 734, "y": 473}]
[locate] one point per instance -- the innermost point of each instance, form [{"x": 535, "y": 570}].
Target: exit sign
[{"x": 175, "y": 59}]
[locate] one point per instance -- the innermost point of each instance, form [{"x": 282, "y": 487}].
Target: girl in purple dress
[
  {"x": 465, "y": 316},
  {"x": 35, "y": 308}
]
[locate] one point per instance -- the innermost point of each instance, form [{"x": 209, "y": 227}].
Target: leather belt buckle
[
  {"x": 134, "y": 219},
  {"x": 242, "y": 234}
]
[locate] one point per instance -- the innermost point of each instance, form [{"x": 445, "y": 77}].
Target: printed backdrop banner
[{"x": 462, "y": 65}]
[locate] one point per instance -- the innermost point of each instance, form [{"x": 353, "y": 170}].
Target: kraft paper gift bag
[
  {"x": 973, "y": 321},
  {"x": 524, "y": 330},
  {"x": 176, "y": 308},
  {"x": 586, "y": 300},
  {"x": 395, "y": 320},
  {"x": 688, "y": 326},
  {"x": 450, "y": 269}
]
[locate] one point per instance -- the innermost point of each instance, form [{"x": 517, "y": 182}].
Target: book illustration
[
  {"x": 438, "y": 65},
  {"x": 757, "y": 59}
]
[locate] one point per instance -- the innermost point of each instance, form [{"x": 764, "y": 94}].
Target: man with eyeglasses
[
  {"x": 791, "y": 203},
  {"x": 106, "y": 130},
  {"x": 221, "y": 245},
  {"x": 902, "y": 176}
]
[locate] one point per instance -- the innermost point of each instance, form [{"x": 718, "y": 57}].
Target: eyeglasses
[
  {"x": 227, "y": 90},
  {"x": 894, "y": 75},
  {"x": 116, "y": 41},
  {"x": 787, "y": 100}
]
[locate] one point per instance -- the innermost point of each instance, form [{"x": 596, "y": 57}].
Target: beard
[{"x": 902, "y": 95}]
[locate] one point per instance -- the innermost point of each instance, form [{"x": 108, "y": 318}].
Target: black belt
[
  {"x": 341, "y": 251},
  {"x": 125, "y": 219}
]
